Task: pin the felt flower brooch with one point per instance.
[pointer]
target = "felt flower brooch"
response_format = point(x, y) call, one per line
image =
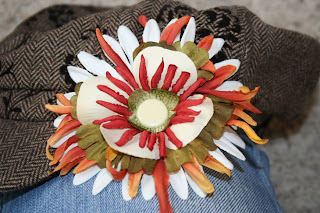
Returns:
point(156, 117)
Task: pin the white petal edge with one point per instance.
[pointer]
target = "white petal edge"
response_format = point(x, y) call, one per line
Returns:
point(215, 47)
point(64, 138)
point(151, 31)
point(97, 66)
point(219, 156)
point(102, 181)
point(128, 41)
point(68, 96)
point(194, 186)
point(233, 137)
point(68, 149)
point(234, 62)
point(125, 188)
point(189, 33)
point(117, 49)
point(230, 148)
point(187, 132)
point(178, 36)
point(58, 120)
point(148, 188)
point(86, 175)
point(78, 74)
point(179, 184)
point(229, 86)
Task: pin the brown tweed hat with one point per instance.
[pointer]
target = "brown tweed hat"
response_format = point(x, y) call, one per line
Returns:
point(34, 58)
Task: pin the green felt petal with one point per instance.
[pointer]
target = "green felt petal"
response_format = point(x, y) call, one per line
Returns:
point(142, 46)
point(205, 74)
point(198, 55)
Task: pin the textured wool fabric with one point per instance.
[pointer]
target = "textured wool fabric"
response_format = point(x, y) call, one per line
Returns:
point(33, 61)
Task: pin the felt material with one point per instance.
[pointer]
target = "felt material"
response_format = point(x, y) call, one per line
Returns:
point(34, 60)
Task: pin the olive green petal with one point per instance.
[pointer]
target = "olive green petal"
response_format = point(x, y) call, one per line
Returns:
point(205, 74)
point(216, 99)
point(198, 55)
point(101, 158)
point(136, 165)
point(86, 130)
point(125, 162)
point(94, 151)
point(74, 113)
point(77, 87)
point(142, 46)
point(198, 150)
point(73, 100)
point(177, 45)
point(87, 141)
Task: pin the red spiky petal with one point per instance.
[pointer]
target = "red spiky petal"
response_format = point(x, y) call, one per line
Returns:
point(143, 20)
point(180, 82)
point(187, 112)
point(114, 94)
point(192, 88)
point(157, 76)
point(172, 137)
point(127, 136)
point(206, 42)
point(181, 119)
point(162, 144)
point(120, 84)
point(110, 118)
point(143, 138)
point(171, 32)
point(115, 108)
point(169, 77)
point(143, 75)
point(127, 76)
point(221, 75)
point(152, 141)
point(117, 124)
point(189, 103)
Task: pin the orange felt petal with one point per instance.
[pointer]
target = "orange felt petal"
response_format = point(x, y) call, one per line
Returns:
point(134, 181)
point(143, 20)
point(209, 66)
point(111, 154)
point(247, 106)
point(117, 175)
point(64, 121)
point(63, 99)
point(71, 156)
point(248, 130)
point(161, 180)
point(206, 42)
point(170, 33)
point(244, 116)
point(83, 165)
point(195, 172)
point(215, 165)
point(59, 109)
point(69, 166)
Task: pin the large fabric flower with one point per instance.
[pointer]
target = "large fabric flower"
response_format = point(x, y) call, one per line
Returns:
point(157, 115)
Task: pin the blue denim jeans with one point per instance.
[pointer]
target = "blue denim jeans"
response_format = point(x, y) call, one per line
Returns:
point(248, 190)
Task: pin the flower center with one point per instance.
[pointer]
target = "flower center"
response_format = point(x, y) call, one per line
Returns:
point(152, 113)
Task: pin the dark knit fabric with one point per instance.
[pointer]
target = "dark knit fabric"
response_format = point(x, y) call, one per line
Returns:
point(33, 61)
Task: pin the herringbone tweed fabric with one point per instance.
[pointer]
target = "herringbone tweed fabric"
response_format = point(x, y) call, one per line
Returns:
point(33, 61)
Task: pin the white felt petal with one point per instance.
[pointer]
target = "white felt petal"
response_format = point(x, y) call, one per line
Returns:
point(86, 175)
point(125, 188)
point(68, 96)
point(78, 75)
point(148, 188)
point(178, 36)
point(128, 41)
point(117, 49)
point(58, 120)
point(233, 137)
point(68, 149)
point(154, 56)
point(187, 132)
point(179, 183)
point(229, 86)
point(219, 156)
point(189, 33)
point(151, 31)
point(194, 186)
point(230, 148)
point(64, 139)
point(234, 62)
point(216, 46)
point(97, 66)
point(102, 180)
point(132, 147)
point(87, 108)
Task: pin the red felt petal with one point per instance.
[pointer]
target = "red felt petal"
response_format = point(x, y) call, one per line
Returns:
point(180, 82)
point(143, 20)
point(120, 84)
point(143, 75)
point(248, 106)
point(117, 124)
point(162, 144)
point(157, 76)
point(143, 138)
point(114, 94)
point(206, 42)
point(115, 108)
point(181, 119)
point(187, 112)
point(172, 137)
point(189, 103)
point(169, 77)
point(127, 136)
point(192, 88)
point(127, 76)
point(221, 75)
point(117, 175)
point(110, 118)
point(161, 180)
point(152, 141)
point(171, 32)
point(231, 95)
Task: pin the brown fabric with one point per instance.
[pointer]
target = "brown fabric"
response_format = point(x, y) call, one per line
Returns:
point(33, 61)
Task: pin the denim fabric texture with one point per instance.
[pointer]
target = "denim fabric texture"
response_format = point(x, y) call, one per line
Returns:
point(248, 190)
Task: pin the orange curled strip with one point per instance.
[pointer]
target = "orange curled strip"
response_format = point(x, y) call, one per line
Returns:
point(215, 165)
point(244, 116)
point(209, 66)
point(63, 99)
point(134, 181)
point(206, 42)
point(83, 165)
point(117, 175)
point(248, 130)
point(59, 109)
